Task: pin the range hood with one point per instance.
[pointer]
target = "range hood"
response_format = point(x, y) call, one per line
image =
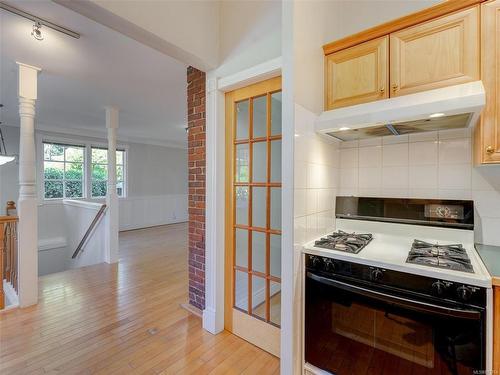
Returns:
point(440, 109)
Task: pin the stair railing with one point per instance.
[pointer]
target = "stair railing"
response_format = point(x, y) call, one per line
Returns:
point(8, 255)
point(89, 231)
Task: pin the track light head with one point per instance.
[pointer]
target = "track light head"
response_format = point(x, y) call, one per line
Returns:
point(37, 32)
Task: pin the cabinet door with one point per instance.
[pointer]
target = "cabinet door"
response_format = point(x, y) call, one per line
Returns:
point(438, 53)
point(357, 75)
point(488, 130)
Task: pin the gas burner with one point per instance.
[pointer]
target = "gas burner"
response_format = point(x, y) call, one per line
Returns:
point(453, 257)
point(343, 241)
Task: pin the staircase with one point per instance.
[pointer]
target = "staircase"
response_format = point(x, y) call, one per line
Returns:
point(8, 257)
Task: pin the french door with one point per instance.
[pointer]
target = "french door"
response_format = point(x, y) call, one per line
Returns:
point(253, 214)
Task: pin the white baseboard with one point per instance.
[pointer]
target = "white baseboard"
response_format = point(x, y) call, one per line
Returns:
point(52, 243)
point(209, 322)
point(149, 225)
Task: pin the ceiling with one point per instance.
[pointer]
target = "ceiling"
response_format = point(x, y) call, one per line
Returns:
point(81, 76)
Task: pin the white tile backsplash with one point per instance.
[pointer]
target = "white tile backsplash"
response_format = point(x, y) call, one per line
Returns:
point(377, 141)
point(423, 153)
point(423, 176)
point(391, 139)
point(370, 156)
point(349, 177)
point(317, 174)
point(455, 176)
point(370, 178)
point(395, 155)
point(425, 136)
point(436, 165)
point(349, 158)
point(455, 151)
point(311, 201)
point(395, 177)
point(455, 133)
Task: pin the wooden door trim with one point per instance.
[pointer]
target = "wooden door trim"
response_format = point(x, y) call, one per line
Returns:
point(436, 11)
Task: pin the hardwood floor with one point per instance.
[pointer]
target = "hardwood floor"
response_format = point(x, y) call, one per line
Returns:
point(123, 319)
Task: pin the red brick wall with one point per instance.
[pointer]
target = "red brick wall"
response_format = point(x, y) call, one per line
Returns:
point(196, 199)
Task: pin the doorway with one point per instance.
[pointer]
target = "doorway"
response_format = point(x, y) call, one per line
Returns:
point(253, 214)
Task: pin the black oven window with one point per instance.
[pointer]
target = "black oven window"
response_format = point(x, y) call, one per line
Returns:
point(349, 334)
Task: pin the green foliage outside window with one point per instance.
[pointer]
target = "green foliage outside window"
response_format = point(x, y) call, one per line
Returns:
point(63, 171)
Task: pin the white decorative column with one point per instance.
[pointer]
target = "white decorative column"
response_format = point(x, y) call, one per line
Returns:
point(112, 225)
point(213, 315)
point(27, 205)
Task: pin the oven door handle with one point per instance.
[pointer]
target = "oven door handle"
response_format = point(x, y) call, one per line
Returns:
point(400, 301)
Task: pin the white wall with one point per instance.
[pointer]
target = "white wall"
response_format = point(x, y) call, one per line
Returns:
point(350, 17)
point(434, 165)
point(250, 33)
point(9, 173)
point(185, 30)
point(79, 216)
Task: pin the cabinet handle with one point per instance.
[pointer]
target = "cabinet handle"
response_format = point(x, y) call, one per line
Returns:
point(382, 89)
point(395, 87)
point(490, 150)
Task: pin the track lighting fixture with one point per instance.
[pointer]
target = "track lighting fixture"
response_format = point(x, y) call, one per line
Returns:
point(37, 32)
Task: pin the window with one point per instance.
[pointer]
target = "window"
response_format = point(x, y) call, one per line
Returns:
point(63, 171)
point(79, 170)
point(99, 175)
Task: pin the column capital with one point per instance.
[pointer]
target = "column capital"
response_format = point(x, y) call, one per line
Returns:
point(112, 117)
point(28, 77)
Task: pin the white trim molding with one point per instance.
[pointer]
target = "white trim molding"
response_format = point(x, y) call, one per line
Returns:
point(257, 73)
point(213, 314)
point(52, 243)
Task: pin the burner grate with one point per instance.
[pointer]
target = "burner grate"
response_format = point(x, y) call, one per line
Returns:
point(453, 257)
point(343, 241)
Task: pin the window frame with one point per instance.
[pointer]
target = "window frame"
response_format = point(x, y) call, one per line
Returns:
point(64, 162)
point(123, 165)
point(42, 138)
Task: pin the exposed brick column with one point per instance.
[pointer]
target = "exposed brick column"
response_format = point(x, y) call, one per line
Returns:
point(196, 200)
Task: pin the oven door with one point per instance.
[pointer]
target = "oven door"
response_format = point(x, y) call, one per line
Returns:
point(355, 329)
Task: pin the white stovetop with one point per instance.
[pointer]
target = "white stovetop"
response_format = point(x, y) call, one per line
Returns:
point(391, 243)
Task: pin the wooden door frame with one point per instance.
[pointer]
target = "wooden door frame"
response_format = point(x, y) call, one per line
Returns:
point(262, 333)
point(213, 315)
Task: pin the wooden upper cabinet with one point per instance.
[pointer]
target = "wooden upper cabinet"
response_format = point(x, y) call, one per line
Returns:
point(437, 53)
point(487, 132)
point(358, 74)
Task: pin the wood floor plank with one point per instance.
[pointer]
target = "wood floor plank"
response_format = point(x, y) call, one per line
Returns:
point(123, 319)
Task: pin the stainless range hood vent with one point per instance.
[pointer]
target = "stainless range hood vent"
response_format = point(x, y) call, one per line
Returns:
point(404, 127)
point(441, 109)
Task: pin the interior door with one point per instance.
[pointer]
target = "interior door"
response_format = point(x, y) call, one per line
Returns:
point(253, 214)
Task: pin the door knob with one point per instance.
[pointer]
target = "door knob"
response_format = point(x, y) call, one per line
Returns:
point(490, 150)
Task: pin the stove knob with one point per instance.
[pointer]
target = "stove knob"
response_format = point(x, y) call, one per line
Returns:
point(464, 292)
point(329, 266)
point(316, 262)
point(376, 274)
point(438, 288)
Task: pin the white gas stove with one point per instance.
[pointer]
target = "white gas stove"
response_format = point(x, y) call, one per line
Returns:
point(401, 277)
point(392, 242)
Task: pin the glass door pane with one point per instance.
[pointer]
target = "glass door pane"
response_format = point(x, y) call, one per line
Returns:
point(257, 207)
